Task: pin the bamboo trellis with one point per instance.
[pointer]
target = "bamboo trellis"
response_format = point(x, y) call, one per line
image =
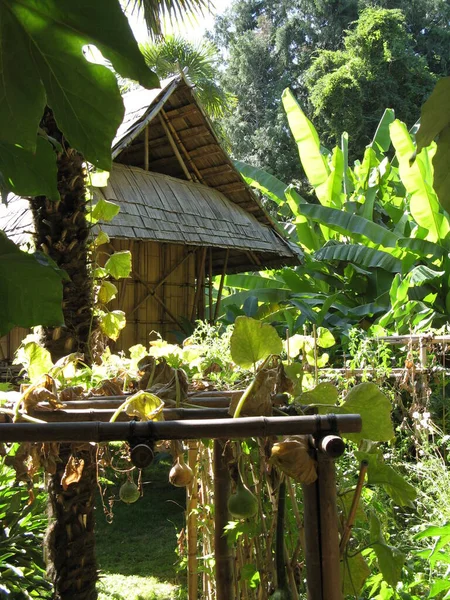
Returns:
point(321, 522)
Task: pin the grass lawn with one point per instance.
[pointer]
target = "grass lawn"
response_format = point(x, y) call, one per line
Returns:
point(136, 553)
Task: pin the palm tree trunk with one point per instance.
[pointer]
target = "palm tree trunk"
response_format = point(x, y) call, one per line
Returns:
point(61, 231)
point(70, 540)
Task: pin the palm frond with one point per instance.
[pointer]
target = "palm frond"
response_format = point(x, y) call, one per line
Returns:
point(155, 12)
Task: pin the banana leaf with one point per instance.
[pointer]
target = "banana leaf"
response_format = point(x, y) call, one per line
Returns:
point(360, 255)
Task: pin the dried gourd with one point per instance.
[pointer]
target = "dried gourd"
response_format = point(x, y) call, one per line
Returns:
point(181, 474)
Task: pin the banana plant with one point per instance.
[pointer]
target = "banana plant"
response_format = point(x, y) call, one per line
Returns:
point(377, 241)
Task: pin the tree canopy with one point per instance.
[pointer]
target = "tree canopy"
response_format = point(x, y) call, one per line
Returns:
point(268, 45)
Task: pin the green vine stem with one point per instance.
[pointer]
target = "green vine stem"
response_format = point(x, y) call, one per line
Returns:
point(121, 408)
point(248, 390)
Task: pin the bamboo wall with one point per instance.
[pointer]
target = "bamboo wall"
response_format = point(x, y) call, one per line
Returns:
point(9, 343)
point(152, 262)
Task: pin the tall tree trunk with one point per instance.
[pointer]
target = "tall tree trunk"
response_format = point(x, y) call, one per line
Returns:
point(70, 540)
point(61, 231)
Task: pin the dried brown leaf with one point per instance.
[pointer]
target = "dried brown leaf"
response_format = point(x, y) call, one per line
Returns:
point(259, 401)
point(69, 394)
point(109, 387)
point(72, 472)
point(292, 456)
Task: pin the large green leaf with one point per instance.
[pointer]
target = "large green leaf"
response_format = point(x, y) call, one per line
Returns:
point(305, 135)
point(253, 341)
point(323, 393)
point(435, 114)
point(379, 473)
point(417, 177)
point(441, 164)
point(266, 183)
point(350, 225)
point(118, 264)
point(367, 400)
point(382, 137)
point(390, 559)
point(422, 247)
point(362, 256)
point(112, 323)
point(30, 289)
point(335, 179)
point(354, 572)
point(38, 361)
point(42, 63)
point(28, 172)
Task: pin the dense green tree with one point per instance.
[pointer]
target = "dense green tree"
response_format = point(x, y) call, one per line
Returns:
point(268, 45)
point(378, 67)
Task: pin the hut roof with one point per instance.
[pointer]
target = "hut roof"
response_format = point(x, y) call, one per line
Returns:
point(167, 209)
point(175, 183)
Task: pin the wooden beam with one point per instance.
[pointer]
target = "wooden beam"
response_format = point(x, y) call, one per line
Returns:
point(187, 154)
point(179, 113)
point(174, 146)
point(222, 280)
point(206, 150)
point(213, 171)
point(228, 188)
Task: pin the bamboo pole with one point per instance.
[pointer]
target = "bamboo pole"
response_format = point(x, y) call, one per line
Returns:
point(222, 551)
point(174, 147)
point(191, 520)
point(200, 278)
point(146, 153)
point(329, 533)
point(312, 541)
point(182, 146)
point(210, 286)
point(178, 430)
point(222, 280)
point(105, 414)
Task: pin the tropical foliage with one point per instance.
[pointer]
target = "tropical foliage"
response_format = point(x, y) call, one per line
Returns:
point(375, 240)
point(269, 45)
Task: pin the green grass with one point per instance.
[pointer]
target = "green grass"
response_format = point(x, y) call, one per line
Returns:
point(136, 553)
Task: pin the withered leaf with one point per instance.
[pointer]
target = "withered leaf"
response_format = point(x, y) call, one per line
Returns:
point(72, 472)
point(292, 456)
point(109, 387)
point(69, 394)
point(259, 401)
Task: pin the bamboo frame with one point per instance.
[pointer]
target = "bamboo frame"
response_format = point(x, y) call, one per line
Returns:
point(243, 427)
point(192, 523)
point(174, 146)
point(329, 534)
point(146, 150)
point(104, 414)
point(182, 146)
point(222, 551)
point(312, 541)
point(152, 291)
point(210, 285)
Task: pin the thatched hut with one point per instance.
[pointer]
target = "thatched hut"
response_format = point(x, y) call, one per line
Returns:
point(186, 215)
